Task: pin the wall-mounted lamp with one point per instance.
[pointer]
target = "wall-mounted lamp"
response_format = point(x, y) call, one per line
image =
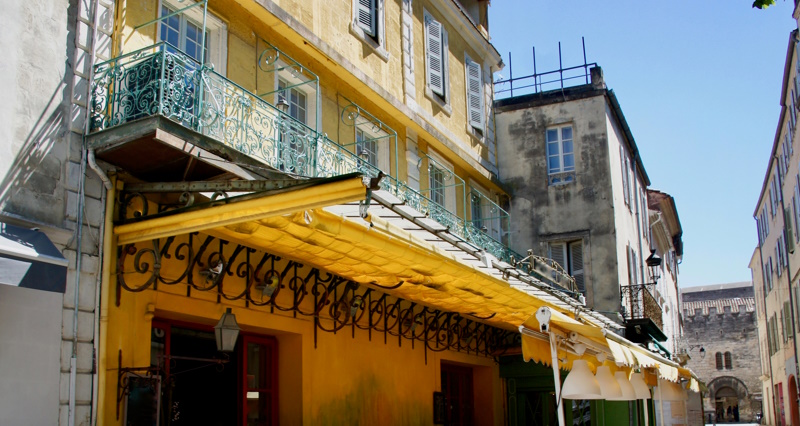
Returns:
point(654, 265)
point(226, 331)
point(580, 382)
point(282, 105)
point(270, 285)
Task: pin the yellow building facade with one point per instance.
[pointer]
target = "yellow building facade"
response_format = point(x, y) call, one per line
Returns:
point(320, 176)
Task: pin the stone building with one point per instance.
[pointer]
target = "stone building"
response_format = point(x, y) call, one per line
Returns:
point(573, 168)
point(721, 339)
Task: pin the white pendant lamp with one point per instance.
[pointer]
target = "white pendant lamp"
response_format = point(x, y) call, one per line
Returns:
point(639, 386)
point(609, 387)
point(667, 391)
point(628, 394)
point(580, 383)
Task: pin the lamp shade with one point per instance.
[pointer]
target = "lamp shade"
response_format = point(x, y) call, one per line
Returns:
point(226, 331)
point(628, 394)
point(580, 383)
point(639, 386)
point(667, 391)
point(609, 387)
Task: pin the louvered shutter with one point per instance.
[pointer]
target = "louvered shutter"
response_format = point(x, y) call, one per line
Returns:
point(366, 16)
point(622, 161)
point(474, 95)
point(557, 253)
point(576, 264)
point(435, 65)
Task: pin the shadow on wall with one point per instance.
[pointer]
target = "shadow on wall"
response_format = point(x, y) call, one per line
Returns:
point(31, 186)
point(372, 402)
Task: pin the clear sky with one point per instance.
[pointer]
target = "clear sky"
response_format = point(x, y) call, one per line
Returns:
point(699, 83)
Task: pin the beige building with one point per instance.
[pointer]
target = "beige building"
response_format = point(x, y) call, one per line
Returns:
point(776, 262)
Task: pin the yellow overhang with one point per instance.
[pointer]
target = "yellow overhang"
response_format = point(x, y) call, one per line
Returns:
point(328, 192)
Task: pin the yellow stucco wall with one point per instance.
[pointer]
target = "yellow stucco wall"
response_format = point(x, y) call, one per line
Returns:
point(330, 21)
point(349, 378)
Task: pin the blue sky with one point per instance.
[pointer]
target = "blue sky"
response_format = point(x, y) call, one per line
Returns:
point(699, 83)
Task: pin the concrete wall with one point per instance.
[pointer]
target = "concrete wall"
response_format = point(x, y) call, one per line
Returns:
point(581, 209)
point(30, 328)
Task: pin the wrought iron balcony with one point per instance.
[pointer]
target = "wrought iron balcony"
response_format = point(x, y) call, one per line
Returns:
point(161, 81)
point(641, 309)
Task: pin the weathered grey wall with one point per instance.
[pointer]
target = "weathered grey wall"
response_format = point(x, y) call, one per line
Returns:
point(544, 212)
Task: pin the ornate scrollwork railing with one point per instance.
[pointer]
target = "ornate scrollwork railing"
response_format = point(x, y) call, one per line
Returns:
point(639, 303)
point(263, 280)
point(160, 80)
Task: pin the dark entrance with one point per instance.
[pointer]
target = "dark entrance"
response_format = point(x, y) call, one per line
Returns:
point(202, 386)
point(196, 389)
point(457, 389)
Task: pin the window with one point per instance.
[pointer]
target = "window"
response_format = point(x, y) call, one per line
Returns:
point(442, 182)
point(569, 254)
point(184, 32)
point(372, 145)
point(773, 197)
point(484, 215)
point(728, 361)
point(718, 357)
point(474, 79)
point(458, 394)
point(787, 319)
point(560, 155)
point(369, 25)
point(765, 222)
point(436, 60)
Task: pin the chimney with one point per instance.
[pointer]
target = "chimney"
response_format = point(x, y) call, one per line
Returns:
point(597, 78)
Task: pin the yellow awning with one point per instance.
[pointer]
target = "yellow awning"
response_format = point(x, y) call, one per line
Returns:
point(326, 193)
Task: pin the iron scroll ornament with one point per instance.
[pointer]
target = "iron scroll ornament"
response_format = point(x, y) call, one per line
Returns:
point(235, 272)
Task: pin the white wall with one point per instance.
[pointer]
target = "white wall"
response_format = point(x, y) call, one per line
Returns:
point(30, 349)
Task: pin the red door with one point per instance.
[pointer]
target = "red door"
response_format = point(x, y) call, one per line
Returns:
point(459, 398)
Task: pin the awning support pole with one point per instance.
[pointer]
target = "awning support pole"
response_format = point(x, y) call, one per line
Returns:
point(556, 379)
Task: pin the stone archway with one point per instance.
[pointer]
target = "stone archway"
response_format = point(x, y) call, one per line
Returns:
point(730, 398)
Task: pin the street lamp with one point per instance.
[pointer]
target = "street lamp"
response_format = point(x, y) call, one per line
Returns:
point(654, 265)
point(226, 331)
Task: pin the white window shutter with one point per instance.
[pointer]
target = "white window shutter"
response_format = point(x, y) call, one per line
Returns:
point(366, 16)
point(576, 264)
point(433, 48)
point(474, 95)
point(558, 253)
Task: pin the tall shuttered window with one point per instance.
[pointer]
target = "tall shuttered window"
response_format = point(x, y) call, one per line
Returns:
point(569, 254)
point(436, 57)
point(474, 78)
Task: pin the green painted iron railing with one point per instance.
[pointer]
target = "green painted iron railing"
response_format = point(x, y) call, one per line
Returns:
point(159, 80)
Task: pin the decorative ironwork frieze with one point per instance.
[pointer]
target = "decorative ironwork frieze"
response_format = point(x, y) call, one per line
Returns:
point(234, 272)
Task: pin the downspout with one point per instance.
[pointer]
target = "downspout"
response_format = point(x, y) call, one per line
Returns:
point(769, 355)
point(791, 293)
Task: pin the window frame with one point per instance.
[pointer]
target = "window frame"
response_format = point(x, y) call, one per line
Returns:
point(246, 388)
point(567, 249)
point(569, 176)
point(449, 191)
point(217, 40)
point(374, 38)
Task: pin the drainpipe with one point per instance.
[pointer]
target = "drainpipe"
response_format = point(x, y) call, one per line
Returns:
point(789, 282)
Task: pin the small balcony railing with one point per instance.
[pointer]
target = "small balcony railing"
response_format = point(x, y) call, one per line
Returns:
point(159, 80)
point(639, 303)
